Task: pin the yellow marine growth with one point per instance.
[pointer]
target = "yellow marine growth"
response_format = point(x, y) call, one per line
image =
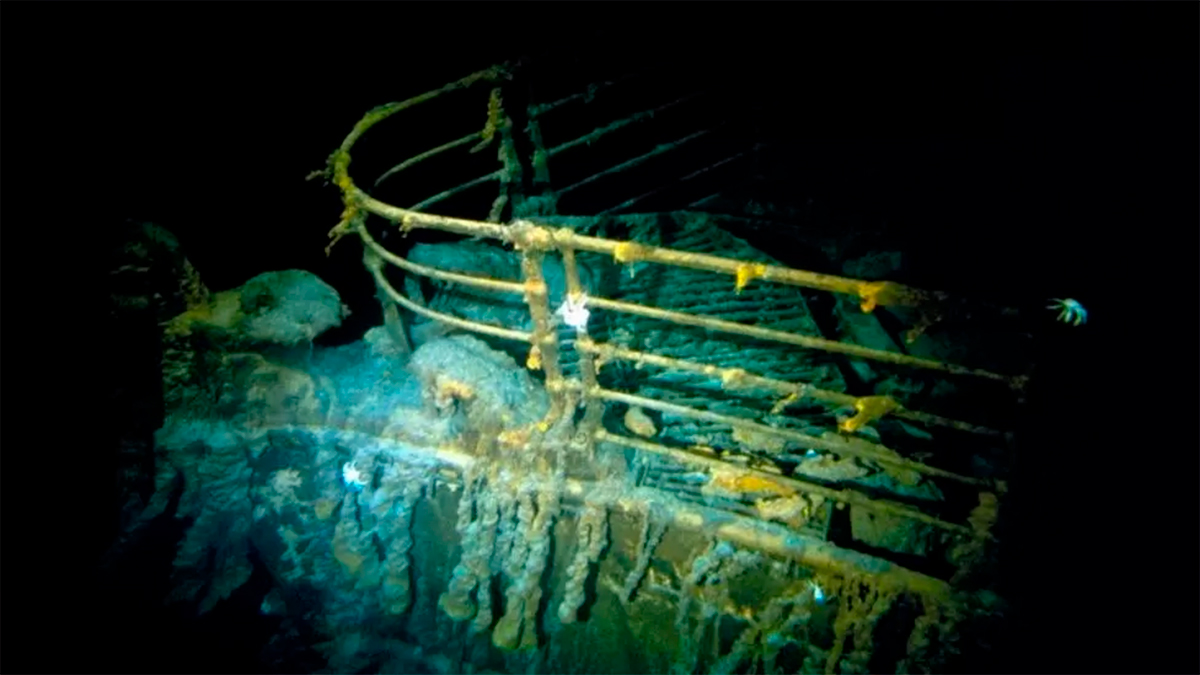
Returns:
point(628, 253)
point(875, 293)
point(448, 390)
point(747, 483)
point(492, 123)
point(747, 272)
point(534, 360)
point(870, 408)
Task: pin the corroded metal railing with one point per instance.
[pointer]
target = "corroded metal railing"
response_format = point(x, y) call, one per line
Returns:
point(534, 242)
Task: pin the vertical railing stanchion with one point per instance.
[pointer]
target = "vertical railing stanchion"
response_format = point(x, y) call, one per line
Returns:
point(594, 407)
point(533, 242)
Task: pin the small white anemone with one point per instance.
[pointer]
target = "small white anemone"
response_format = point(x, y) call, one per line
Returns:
point(574, 311)
point(354, 479)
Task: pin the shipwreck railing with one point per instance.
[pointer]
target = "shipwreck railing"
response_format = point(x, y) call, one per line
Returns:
point(534, 242)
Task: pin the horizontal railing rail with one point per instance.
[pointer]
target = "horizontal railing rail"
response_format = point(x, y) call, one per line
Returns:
point(534, 241)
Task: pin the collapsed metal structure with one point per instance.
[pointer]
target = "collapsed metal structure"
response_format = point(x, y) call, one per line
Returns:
point(758, 457)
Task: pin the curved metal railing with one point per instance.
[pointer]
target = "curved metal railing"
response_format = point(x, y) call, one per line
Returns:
point(534, 241)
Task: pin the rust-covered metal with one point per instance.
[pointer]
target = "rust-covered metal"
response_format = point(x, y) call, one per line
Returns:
point(882, 293)
point(755, 469)
point(789, 392)
point(834, 444)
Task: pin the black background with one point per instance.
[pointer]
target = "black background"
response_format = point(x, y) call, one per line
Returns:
point(205, 118)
